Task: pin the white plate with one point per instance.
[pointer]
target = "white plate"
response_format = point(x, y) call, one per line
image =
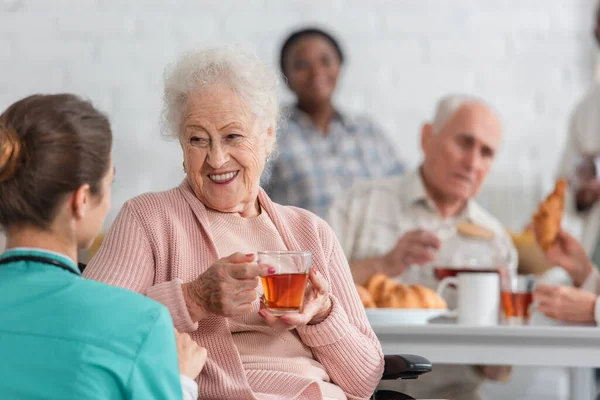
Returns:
point(403, 316)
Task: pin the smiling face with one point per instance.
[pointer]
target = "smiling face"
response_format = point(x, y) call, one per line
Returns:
point(312, 67)
point(459, 157)
point(224, 148)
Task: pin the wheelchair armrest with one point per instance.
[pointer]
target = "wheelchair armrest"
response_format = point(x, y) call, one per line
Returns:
point(405, 366)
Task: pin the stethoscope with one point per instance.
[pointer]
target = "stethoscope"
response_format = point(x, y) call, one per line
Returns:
point(39, 259)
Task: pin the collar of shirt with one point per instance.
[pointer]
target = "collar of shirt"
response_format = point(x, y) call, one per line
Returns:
point(30, 251)
point(413, 192)
point(304, 120)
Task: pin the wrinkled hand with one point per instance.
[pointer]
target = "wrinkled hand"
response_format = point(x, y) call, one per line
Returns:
point(190, 356)
point(565, 303)
point(569, 254)
point(227, 288)
point(317, 305)
point(414, 247)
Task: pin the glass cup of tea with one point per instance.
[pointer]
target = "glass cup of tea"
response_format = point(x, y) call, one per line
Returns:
point(284, 290)
point(517, 298)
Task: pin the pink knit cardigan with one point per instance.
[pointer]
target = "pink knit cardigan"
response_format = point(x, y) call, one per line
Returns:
point(160, 240)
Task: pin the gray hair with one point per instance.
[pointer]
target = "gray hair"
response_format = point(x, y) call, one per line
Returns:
point(233, 66)
point(449, 105)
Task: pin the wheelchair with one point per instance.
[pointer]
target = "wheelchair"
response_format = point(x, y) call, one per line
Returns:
point(403, 366)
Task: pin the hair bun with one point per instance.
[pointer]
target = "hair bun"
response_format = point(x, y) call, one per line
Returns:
point(10, 152)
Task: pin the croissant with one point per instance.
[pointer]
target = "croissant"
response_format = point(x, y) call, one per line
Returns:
point(402, 296)
point(429, 297)
point(547, 219)
point(365, 297)
point(387, 293)
point(380, 286)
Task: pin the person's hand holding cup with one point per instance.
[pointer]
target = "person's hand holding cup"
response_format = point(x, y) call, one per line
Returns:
point(295, 295)
point(227, 288)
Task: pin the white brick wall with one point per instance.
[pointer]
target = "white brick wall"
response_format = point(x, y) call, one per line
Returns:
point(531, 58)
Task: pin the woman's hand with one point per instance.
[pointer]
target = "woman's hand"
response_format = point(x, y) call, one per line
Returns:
point(317, 305)
point(571, 256)
point(191, 357)
point(565, 303)
point(227, 288)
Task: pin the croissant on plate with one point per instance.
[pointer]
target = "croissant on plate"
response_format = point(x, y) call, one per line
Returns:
point(383, 292)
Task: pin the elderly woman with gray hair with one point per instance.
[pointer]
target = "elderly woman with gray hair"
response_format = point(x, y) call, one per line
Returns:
point(192, 247)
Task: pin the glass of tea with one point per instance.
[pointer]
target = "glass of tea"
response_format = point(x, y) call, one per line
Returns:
point(517, 298)
point(284, 291)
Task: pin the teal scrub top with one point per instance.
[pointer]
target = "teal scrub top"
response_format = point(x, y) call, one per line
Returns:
point(65, 337)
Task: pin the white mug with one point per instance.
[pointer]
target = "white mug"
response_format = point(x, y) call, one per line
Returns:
point(478, 297)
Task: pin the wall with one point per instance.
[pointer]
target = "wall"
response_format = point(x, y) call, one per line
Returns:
point(531, 58)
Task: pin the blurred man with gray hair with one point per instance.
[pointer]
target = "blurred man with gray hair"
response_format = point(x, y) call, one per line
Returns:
point(391, 224)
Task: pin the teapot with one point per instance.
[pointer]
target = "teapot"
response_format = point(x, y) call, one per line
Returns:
point(471, 248)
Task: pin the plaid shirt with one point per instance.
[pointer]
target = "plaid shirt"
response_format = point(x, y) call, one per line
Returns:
point(313, 168)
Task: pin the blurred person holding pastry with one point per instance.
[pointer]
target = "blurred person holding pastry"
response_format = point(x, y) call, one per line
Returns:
point(580, 164)
point(577, 303)
point(390, 224)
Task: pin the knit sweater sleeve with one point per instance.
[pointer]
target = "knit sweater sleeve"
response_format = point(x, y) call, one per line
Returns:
point(344, 342)
point(126, 259)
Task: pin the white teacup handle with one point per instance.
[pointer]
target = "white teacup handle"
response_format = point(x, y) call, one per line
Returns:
point(450, 280)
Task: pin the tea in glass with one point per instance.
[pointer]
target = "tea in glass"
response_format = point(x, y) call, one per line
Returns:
point(284, 291)
point(517, 298)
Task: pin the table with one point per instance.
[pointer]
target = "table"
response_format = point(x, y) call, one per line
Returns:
point(541, 344)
